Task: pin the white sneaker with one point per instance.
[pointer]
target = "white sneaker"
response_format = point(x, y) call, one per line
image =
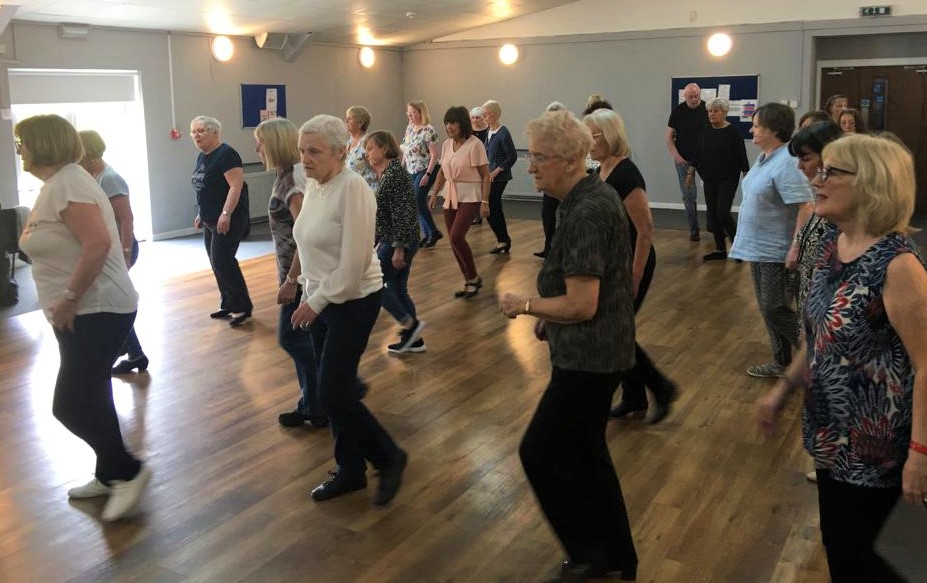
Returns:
point(91, 489)
point(125, 495)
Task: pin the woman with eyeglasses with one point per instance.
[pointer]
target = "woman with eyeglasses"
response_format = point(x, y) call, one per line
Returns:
point(83, 286)
point(776, 203)
point(222, 198)
point(864, 354)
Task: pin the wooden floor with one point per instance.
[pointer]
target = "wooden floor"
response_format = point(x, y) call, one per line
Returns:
point(709, 499)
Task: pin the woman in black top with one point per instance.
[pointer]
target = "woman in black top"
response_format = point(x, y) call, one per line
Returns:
point(222, 198)
point(720, 158)
point(396, 237)
point(610, 148)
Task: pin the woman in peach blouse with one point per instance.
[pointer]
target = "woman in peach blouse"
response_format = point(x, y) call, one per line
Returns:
point(464, 184)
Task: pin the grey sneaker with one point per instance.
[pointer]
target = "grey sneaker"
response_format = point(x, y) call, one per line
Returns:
point(91, 489)
point(770, 370)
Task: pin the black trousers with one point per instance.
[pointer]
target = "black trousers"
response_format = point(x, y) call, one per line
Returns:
point(549, 206)
point(851, 519)
point(496, 214)
point(719, 196)
point(233, 290)
point(568, 464)
point(83, 399)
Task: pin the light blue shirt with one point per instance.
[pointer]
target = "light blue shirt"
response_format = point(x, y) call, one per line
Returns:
point(772, 191)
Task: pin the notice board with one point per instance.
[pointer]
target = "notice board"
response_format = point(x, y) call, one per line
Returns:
point(260, 102)
point(741, 91)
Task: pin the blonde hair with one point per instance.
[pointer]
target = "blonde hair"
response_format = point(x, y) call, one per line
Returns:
point(612, 127)
point(884, 182)
point(420, 107)
point(51, 140)
point(94, 146)
point(280, 138)
point(361, 114)
point(563, 134)
point(493, 108)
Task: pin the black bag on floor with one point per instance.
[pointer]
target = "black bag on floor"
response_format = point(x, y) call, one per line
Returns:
point(9, 289)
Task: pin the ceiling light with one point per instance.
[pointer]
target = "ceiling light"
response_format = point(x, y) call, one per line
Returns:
point(222, 48)
point(719, 44)
point(508, 54)
point(367, 57)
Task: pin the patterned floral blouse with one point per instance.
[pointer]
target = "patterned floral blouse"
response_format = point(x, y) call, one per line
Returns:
point(397, 217)
point(858, 406)
point(357, 161)
point(415, 147)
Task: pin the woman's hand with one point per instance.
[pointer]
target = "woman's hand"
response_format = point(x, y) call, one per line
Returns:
point(635, 285)
point(540, 330)
point(222, 226)
point(286, 294)
point(768, 409)
point(399, 257)
point(63, 313)
point(914, 478)
point(303, 317)
point(432, 200)
point(512, 305)
point(424, 181)
point(484, 210)
point(197, 222)
point(791, 258)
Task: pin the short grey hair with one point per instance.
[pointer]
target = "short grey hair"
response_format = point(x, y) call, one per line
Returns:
point(331, 128)
point(718, 103)
point(555, 106)
point(476, 112)
point(210, 123)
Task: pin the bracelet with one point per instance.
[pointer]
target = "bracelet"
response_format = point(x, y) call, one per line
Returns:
point(527, 306)
point(484, 202)
point(126, 249)
point(918, 447)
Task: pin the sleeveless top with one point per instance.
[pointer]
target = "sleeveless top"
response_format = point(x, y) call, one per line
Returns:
point(858, 404)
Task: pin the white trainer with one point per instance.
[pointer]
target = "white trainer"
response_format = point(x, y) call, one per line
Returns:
point(91, 489)
point(125, 495)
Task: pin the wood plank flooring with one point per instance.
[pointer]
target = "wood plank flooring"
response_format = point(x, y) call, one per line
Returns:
point(709, 499)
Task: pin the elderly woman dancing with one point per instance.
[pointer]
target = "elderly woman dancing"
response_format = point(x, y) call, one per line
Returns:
point(343, 289)
point(864, 355)
point(586, 312)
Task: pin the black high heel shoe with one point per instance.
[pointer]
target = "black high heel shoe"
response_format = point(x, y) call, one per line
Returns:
point(130, 364)
point(501, 248)
point(236, 321)
point(471, 288)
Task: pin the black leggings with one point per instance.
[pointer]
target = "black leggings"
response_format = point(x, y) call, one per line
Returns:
point(719, 196)
point(496, 215)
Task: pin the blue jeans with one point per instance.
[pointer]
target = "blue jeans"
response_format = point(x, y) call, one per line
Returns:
point(358, 435)
point(425, 220)
point(298, 344)
point(396, 298)
point(689, 197)
point(132, 347)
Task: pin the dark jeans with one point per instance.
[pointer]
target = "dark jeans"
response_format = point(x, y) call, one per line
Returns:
point(496, 214)
point(358, 435)
point(132, 347)
point(549, 206)
point(566, 459)
point(458, 222)
point(425, 220)
point(851, 519)
point(83, 399)
point(221, 249)
point(396, 298)
point(645, 373)
point(719, 196)
point(298, 344)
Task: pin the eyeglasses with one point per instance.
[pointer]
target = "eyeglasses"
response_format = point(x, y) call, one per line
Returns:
point(18, 144)
point(199, 131)
point(537, 159)
point(827, 171)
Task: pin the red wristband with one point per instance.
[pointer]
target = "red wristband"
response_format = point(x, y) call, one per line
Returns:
point(918, 447)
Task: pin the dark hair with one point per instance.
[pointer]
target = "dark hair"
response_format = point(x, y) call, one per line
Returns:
point(814, 137)
point(461, 116)
point(815, 115)
point(831, 100)
point(599, 104)
point(857, 117)
point(384, 139)
point(777, 118)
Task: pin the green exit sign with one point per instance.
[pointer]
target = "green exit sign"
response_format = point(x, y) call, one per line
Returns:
point(875, 11)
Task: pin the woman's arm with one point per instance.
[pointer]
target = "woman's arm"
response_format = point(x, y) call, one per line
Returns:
point(435, 189)
point(236, 179)
point(485, 185)
point(804, 213)
point(639, 214)
point(287, 292)
point(905, 298)
point(578, 304)
point(126, 223)
point(770, 405)
point(508, 148)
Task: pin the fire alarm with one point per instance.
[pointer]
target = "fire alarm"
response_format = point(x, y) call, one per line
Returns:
point(175, 134)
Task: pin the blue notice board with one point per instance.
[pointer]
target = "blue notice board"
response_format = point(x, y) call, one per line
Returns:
point(741, 91)
point(260, 102)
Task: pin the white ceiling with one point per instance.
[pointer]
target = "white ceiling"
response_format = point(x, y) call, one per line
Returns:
point(389, 22)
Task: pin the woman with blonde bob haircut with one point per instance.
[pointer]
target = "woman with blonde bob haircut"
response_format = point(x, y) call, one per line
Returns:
point(865, 350)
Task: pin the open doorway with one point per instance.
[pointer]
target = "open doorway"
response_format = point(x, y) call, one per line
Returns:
point(109, 102)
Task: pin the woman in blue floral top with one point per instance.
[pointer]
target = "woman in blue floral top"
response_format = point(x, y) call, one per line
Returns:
point(420, 156)
point(357, 120)
point(865, 323)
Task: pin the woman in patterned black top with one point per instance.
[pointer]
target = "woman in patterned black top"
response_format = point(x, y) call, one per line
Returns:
point(586, 313)
point(276, 145)
point(396, 236)
point(865, 413)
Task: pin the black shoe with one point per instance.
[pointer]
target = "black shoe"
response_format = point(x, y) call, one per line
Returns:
point(336, 485)
point(296, 419)
point(471, 288)
point(130, 364)
point(410, 339)
point(694, 236)
point(661, 408)
point(424, 242)
point(715, 256)
point(477, 220)
point(625, 409)
point(501, 248)
point(236, 321)
point(221, 315)
point(435, 237)
point(391, 479)
point(362, 390)
point(541, 254)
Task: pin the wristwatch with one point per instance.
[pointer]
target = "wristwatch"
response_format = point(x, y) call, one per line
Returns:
point(224, 212)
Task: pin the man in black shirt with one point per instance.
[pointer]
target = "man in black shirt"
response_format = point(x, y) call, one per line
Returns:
point(683, 133)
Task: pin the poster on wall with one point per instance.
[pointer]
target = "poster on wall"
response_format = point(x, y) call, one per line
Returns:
point(741, 91)
point(260, 102)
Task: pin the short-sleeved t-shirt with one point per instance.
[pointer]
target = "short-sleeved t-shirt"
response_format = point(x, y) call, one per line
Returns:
point(111, 183)
point(625, 179)
point(688, 123)
point(210, 184)
point(772, 191)
point(289, 181)
point(415, 147)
